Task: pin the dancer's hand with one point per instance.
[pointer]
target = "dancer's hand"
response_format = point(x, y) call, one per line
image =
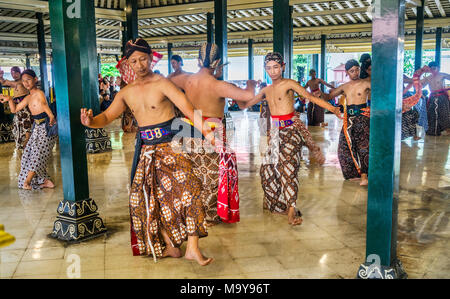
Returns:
point(86, 117)
point(52, 121)
point(337, 112)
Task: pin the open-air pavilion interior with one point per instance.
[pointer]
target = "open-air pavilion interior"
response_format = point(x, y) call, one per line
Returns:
point(402, 216)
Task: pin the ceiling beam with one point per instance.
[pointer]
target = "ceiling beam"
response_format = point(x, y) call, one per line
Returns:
point(42, 6)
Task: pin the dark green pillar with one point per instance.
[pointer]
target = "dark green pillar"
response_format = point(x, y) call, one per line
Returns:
point(77, 214)
point(169, 56)
point(209, 27)
point(132, 19)
point(419, 36)
point(282, 36)
point(251, 60)
point(438, 45)
point(42, 54)
point(323, 58)
point(315, 63)
point(27, 61)
point(385, 131)
point(221, 33)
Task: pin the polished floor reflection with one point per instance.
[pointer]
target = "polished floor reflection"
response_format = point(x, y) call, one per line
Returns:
point(329, 244)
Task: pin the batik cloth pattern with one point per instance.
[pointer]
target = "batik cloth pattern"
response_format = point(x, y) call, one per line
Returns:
point(228, 197)
point(353, 148)
point(264, 115)
point(409, 122)
point(129, 124)
point(22, 124)
point(165, 195)
point(438, 113)
point(36, 156)
point(315, 113)
point(279, 177)
point(206, 168)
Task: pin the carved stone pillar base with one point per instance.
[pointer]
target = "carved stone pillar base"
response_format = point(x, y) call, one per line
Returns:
point(77, 222)
point(97, 141)
point(373, 271)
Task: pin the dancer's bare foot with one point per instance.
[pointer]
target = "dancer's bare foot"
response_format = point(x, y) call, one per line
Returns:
point(293, 217)
point(26, 186)
point(196, 255)
point(48, 184)
point(172, 252)
point(364, 180)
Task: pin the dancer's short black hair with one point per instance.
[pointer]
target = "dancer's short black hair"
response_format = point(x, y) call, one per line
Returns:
point(28, 72)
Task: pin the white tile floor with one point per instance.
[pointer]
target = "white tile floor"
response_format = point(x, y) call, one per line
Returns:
point(329, 244)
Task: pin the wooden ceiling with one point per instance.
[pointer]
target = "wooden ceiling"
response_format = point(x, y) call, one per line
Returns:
point(183, 22)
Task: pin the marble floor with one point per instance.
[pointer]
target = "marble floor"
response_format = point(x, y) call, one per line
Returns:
point(329, 244)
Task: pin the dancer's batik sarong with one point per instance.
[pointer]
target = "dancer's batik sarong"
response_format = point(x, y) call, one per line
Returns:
point(218, 173)
point(353, 148)
point(37, 154)
point(6, 127)
point(264, 115)
point(129, 124)
point(22, 123)
point(164, 195)
point(316, 114)
point(280, 166)
point(438, 112)
point(409, 121)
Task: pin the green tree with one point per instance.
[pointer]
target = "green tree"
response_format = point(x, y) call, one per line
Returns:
point(302, 60)
point(109, 69)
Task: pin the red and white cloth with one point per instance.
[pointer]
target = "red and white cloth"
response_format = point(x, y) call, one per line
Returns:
point(228, 197)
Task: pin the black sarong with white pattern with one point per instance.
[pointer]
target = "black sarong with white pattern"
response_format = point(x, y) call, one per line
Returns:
point(36, 156)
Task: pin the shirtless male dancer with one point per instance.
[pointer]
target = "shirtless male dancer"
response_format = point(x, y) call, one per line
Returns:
point(37, 153)
point(207, 94)
point(22, 119)
point(354, 139)
point(439, 102)
point(177, 64)
point(316, 114)
point(280, 180)
point(165, 194)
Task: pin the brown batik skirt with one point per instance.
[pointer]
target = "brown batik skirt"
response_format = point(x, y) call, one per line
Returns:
point(165, 195)
point(22, 124)
point(279, 177)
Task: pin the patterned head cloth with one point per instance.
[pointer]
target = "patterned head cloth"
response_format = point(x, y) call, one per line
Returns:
point(209, 55)
point(137, 45)
point(274, 56)
point(351, 63)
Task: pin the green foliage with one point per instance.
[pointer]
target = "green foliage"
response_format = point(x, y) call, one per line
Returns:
point(302, 60)
point(109, 69)
point(408, 63)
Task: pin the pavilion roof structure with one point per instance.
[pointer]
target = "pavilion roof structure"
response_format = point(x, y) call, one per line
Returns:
point(347, 24)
